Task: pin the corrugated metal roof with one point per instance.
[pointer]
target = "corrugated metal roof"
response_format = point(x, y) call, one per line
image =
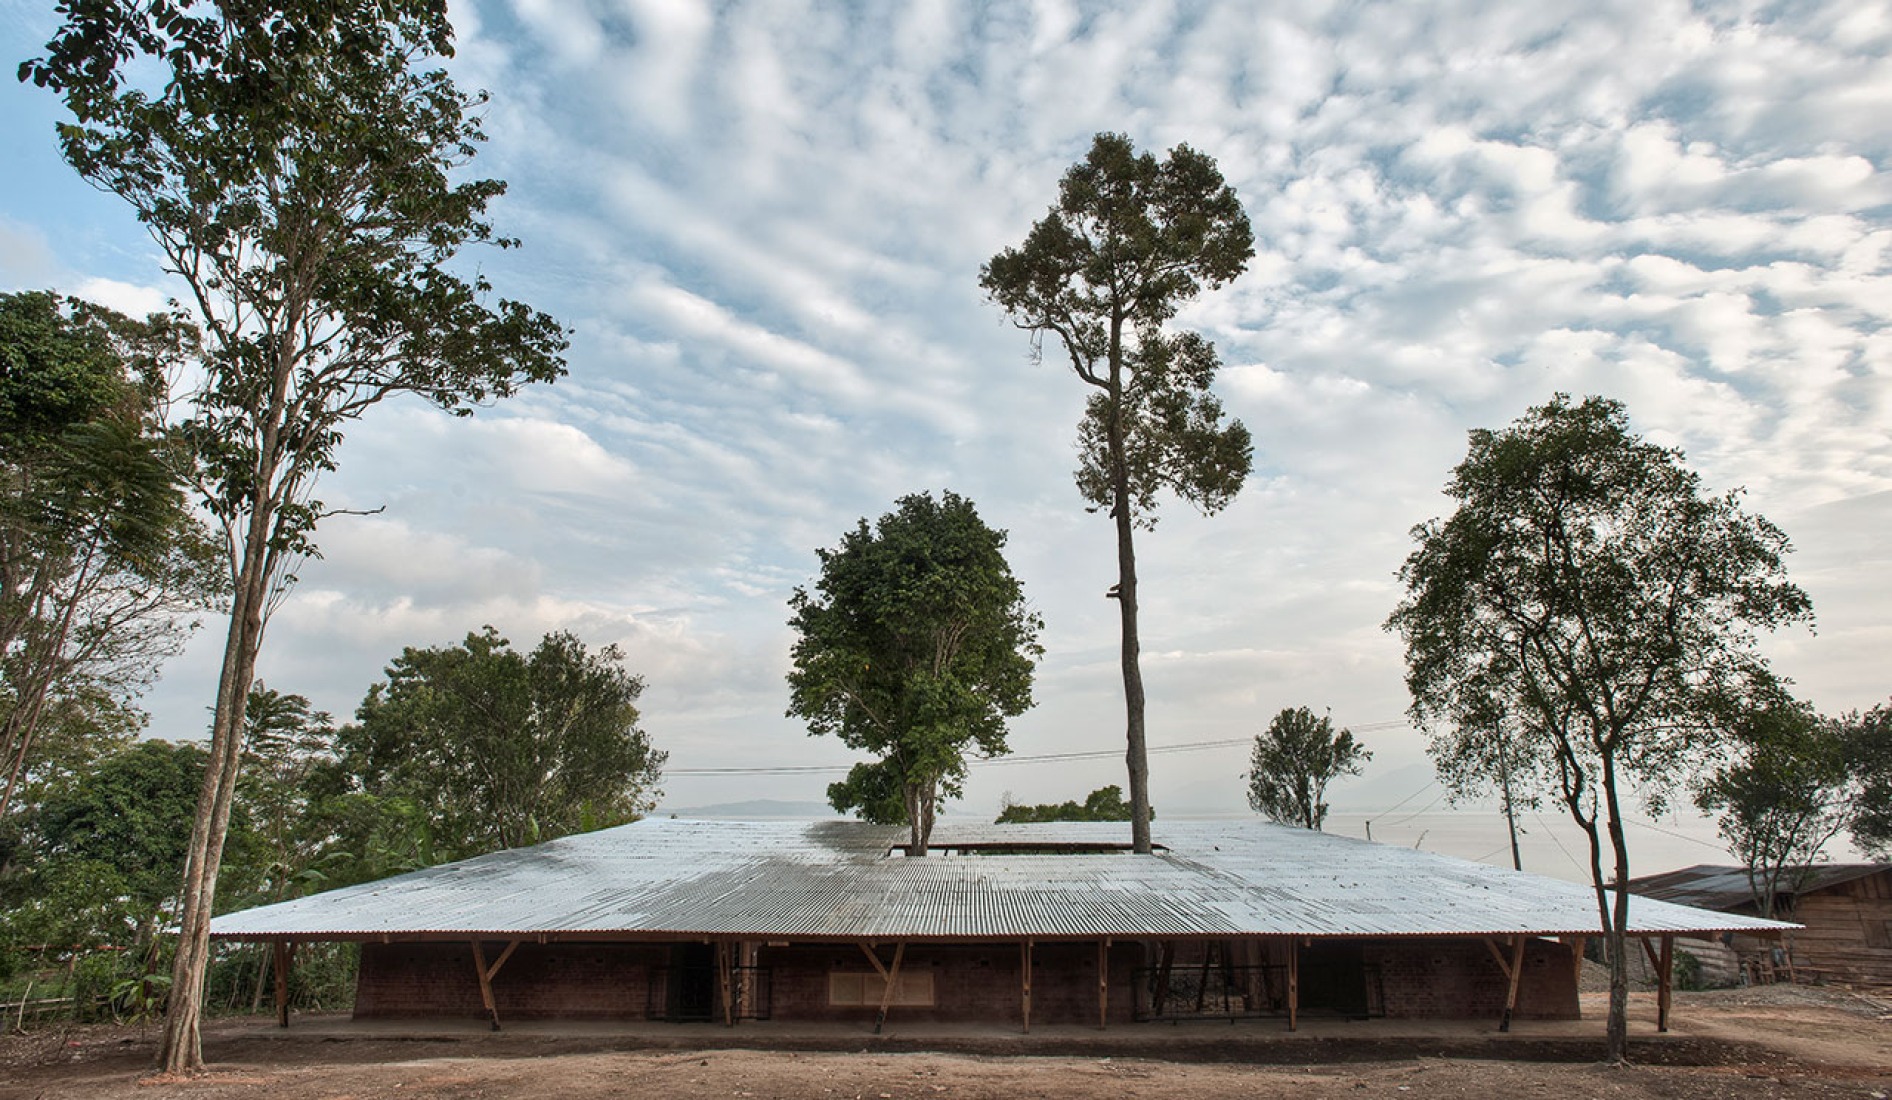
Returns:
point(837, 879)
point(1722, 887)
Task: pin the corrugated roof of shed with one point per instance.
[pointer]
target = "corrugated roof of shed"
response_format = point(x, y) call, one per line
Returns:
point(1723, 887)
point(838, 880)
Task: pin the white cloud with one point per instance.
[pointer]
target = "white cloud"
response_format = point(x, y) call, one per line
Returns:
point(765, 221)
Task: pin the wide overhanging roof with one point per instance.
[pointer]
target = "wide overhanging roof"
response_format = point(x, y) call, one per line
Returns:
point(842, 880)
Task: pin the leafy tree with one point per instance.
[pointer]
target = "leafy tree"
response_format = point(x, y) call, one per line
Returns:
point(1782, 798)
point(285, 740)
point(300, 164)
point(1866, 743)
point(499, 749)
point(917, 646)
point(1130, 240)
point(101, 562)
point(1102, 804)
point(103, 856)
point(1292, 763)
point(1588, 590)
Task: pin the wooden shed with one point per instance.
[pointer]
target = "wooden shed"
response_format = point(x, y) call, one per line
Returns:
point(1846, 910)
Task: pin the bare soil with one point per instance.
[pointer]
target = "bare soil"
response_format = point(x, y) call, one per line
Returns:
point(1774, 1042)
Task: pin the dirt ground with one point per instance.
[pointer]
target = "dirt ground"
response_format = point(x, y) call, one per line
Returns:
point(1773, 1042)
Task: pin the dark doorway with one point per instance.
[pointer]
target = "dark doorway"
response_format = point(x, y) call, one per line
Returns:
point(1335, 978)
point(692, 984)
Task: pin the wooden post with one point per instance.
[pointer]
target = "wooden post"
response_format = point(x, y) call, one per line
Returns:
point(1024, 976)
point(1576, 962)
point(1293, 983)
point(281, 963)
point(486, 974)
point(892, 979)
point(1166, 958)
point(1664, 969)
point(724, 973)
point(1513, 970)
point(1103, 984)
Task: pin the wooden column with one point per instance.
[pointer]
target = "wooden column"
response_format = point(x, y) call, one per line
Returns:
point(1576, 961)
point(1513, 970)
point(1024, 978)
point(1293, 985)
point(888, 977)
point(486, 974)
point(1665, 970)
point(724, 973)
point(284, 950)
point(1103, 984)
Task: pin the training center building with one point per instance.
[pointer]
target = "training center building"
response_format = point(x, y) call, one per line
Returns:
point(1027, 924)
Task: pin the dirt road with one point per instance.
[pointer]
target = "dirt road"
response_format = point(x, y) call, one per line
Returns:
point(1770, 1043)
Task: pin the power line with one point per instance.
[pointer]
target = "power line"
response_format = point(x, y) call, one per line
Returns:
point(1040, 758)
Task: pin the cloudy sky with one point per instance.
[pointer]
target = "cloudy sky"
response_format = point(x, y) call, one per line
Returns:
point(764, 222)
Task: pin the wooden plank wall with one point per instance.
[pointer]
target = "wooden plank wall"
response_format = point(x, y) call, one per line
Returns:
point(1848, 934)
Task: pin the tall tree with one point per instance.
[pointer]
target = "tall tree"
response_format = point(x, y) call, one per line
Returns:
point(1588, 589)
point(101, 561)
point(1293, 761)
point(917, 646)
point(499, 748)
point(1784, 795)
point(300, 164)
point(1131, 240)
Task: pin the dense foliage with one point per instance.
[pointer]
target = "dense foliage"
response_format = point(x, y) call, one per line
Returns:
point(494, 748)
point(1102, 804)
point(1130, 240)
point(916, 646)
point(1587, 591)
point(101, 562)
point(1292, 762)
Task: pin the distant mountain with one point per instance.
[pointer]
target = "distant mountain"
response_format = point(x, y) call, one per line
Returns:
point(754, 808)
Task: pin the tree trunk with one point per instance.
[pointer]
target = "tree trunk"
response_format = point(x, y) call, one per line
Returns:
point(1137, 755)
point(1617, 1042)
point(181, 1049)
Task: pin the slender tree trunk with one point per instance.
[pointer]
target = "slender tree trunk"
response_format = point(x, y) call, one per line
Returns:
point(1616, 1047)
point(181, 1049)
point(1136, 755)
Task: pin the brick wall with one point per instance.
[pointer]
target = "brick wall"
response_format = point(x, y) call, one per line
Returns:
point(1458, 979)
point(978, 984)
point(1443, 978)
point(540, 981)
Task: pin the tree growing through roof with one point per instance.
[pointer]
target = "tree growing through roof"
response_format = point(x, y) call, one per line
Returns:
point(1130, 240)
point(916, 646)
point(1588, 587)
point(1292, 762)
point(500, 749)
point(1786, 794)
point(101, 561)
point(1102, 804)
point(300, 165)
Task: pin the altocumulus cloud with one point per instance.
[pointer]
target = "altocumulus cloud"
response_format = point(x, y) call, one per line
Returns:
point(764, 222)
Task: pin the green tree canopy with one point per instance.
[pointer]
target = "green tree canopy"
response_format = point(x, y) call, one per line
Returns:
point(916, 646)
point(1866, 742)
point(500, 748)
point(1587, 590)
point(1785, 794)
point(1130, 240)
point(301, 165)
point(1293, 761)
point(102, 563)
point(1102, 804)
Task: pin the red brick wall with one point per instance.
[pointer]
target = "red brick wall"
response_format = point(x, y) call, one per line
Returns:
point(540, 981)
point(1458, 979)
point(1444, 978)
point(978, 984)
